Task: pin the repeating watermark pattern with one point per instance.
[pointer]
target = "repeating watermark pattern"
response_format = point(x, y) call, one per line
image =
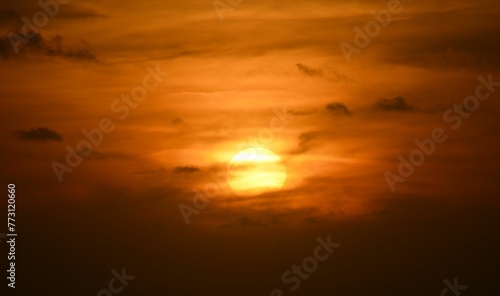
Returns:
point(294, 275)
point(213, 189)
point(455, 287)
point(95, 137)
point(40, 19)
point(113, 287)
point(453, 116)
point(372, 29)
point(222, 8)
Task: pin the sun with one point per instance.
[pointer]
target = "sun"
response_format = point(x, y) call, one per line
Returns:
point(254, 171)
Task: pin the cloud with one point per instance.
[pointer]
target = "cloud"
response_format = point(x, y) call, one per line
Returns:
point(327, 73)
point(305, 143)
point(394, 104)
point(308, 71)
point(177, 121)
point(14, 12)
point(37, 45)
point(186, 169)
point(40, 134)
point(338, 109)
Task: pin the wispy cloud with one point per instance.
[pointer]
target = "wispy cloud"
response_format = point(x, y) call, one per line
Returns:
point(338, 109)
point(186, 169)
point(394, 104)
point(39, 46)
point(305, 143)
point(40, 134)
point(308, 71)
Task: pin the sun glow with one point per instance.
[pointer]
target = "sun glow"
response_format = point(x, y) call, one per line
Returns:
point(256, 170)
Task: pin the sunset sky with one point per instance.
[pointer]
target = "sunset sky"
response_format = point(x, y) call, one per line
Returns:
point(179, 92)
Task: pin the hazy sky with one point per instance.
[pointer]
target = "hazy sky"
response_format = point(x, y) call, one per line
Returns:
point(213, 86)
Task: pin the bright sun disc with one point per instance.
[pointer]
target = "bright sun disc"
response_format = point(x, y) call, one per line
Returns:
point(256, 170)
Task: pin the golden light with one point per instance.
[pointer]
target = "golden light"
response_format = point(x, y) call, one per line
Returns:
point(256, 170)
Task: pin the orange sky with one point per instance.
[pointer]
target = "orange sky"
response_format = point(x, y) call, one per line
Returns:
point(348, 124)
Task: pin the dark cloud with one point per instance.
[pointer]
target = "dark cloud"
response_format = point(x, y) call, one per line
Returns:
point(177, 121)
point(310, 71)
point(305, 143)
point(327, 73)
point(40, 134)
point(394, 104)
point(15, 12)
point(338, 109)
point(16, 45)
point(186, 169)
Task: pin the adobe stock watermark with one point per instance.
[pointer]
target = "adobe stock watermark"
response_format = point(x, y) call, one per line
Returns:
point(40, 19)
point(372, 29)
point(117, 283)
point(95, 137)
point(297, 273)
point(220, 179)
point(453, 116)
point(455, 287)
point(222, 8)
